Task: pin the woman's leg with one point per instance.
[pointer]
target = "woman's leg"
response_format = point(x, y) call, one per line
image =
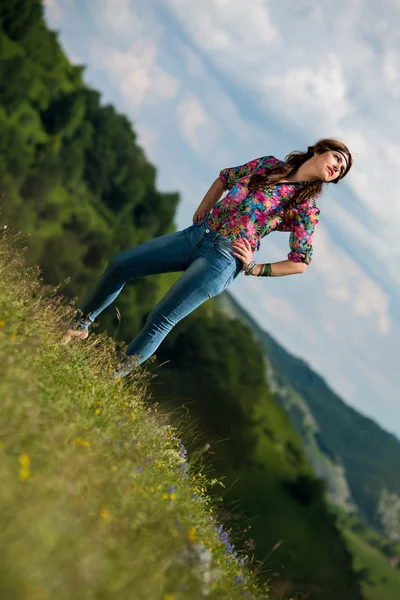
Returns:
point(204, 279)
point(165, 254)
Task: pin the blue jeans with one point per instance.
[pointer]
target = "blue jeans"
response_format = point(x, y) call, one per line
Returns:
point(208, 266)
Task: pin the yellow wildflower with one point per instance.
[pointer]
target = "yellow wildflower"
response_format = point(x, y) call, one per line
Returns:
point(172, 496)
point(2, 323)
point(105, 513)
point(24, 472)
point(82, 442)
point(24, 460)
point(97, 411)
point(114, 468)
point(191, 534)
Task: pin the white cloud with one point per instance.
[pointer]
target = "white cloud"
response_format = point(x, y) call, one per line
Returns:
point(277, 306)
point(54, 10)
point(391, 73)
point(147, 139)
point(117, 18)
point(346, 283)
point(135, 72)
point(316, 92)
point(196, 126)
point(237, 35)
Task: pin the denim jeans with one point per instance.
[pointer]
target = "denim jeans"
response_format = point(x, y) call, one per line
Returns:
point(208, 266)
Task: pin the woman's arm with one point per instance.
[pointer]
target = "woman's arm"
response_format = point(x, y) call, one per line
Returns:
point(283, 267)
point(212, 196)
point(242, 249)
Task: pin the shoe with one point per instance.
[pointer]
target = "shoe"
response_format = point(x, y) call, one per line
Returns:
point(78, 331)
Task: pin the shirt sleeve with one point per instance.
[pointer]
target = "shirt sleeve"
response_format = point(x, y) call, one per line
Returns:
point(231, 175)
point(301, 236)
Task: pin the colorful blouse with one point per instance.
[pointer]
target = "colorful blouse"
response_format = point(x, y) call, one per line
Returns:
point(255, 213)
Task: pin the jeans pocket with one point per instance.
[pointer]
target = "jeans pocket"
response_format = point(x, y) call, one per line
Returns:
point(224, 249)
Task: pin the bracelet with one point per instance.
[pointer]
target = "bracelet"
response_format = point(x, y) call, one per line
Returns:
point(248, 268)
point(265, 271)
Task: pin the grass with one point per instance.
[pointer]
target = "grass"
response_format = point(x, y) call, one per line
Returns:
point(98, 499)
point(381, 580)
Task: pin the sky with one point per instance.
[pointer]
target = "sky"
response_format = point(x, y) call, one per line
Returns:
point(214, 84)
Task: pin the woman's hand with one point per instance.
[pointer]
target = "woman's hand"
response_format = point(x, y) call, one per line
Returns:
point(243, 250)
point(199, 215)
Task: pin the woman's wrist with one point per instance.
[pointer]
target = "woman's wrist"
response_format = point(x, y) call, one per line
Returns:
point(262, 270)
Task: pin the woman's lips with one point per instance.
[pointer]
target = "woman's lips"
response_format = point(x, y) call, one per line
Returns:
point(330, 171)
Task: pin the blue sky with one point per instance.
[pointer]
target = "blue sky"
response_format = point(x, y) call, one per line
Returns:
point(215, 83)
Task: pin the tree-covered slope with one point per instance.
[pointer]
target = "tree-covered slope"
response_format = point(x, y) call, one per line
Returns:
point(369, 455)
point(71, 171)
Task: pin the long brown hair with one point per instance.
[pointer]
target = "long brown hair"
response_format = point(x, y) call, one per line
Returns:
point(292, 162)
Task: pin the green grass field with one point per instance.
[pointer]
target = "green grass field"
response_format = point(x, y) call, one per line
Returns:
point(381, 580)
point(97, 496)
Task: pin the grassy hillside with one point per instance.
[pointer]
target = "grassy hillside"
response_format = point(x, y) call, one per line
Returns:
point(376, 559)
point(97, 496)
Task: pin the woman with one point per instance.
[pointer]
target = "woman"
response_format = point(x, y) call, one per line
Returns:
point(265, 194)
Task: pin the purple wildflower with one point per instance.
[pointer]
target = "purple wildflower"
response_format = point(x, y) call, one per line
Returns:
point(224, 538)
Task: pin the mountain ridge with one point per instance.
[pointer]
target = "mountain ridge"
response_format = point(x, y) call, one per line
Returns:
point(364, 455)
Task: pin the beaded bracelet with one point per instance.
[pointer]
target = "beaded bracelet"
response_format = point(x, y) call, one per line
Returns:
point(265, 270)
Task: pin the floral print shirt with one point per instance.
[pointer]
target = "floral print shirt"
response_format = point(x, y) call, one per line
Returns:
point(255, 213)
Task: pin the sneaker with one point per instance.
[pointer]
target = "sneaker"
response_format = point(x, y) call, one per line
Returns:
point(78, 330)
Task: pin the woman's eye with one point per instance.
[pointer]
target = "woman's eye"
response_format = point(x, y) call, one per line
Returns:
point(337, 158)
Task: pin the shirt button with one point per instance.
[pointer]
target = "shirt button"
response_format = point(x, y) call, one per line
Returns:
point(207, 231)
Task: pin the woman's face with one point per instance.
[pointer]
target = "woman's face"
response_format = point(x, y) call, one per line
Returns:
point(330, 165)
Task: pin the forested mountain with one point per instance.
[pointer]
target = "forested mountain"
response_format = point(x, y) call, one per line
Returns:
point(357, 458)
point(71, 172)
